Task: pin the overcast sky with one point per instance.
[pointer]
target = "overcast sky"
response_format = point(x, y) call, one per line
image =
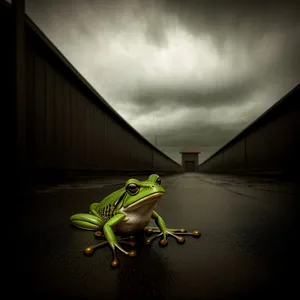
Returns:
point(193, 73)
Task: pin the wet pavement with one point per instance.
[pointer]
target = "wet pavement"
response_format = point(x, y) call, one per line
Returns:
point(248, 248)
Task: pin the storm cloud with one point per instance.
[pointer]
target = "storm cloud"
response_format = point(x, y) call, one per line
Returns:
point(183, 73)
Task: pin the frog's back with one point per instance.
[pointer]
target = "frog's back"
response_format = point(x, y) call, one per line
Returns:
point(111, 199)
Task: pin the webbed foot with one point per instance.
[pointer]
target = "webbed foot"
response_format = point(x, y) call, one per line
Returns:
point(178, 234)
point(130, 241)
point(131, 253)
point(113, 241)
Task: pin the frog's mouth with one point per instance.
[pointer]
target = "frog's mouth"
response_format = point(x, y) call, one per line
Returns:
point(148, 199)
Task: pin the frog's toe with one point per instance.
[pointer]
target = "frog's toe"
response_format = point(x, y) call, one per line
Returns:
point(115, 263)
point(180, 239)
point(90, 250)
point(148, 241)
point(177, 230)
point(131, 253)
point(179, 236)
point(149, 230)
point(163, 242)
point(195, 233)
point(98, 233)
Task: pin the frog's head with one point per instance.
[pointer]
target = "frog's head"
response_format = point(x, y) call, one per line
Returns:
point(142, 192)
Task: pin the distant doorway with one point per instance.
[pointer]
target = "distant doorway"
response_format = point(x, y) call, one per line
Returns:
point(190, 166)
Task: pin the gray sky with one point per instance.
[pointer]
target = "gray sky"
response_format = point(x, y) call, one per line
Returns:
point(193, 73)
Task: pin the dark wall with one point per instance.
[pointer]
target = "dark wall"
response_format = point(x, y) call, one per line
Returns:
point(65, 125)
point(270, 145)
point(191, 157)
point(8, 79)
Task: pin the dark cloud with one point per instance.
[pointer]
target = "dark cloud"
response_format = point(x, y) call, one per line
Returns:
point(194, 96)
point(155, 35)
point(247, 22)
point(198, 134)
point(184, 63)
point(234, 17)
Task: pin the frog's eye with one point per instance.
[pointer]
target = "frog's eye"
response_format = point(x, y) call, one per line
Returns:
point(132, 189)
point(158, 181)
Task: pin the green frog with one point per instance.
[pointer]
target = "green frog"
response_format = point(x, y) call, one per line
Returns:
point(127, 211)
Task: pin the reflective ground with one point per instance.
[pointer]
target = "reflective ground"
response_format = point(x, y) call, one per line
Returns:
point(248, 247)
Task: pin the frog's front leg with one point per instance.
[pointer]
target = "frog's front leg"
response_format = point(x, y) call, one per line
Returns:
point(164, 231)
point(112, 240)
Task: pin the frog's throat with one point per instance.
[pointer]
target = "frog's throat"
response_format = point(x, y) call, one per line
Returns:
point(150, 198)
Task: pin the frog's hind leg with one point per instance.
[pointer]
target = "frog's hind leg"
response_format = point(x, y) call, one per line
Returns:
point(87, 221)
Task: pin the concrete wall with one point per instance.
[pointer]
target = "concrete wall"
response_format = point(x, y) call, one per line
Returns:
point(64, 125)
point(270, 145)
